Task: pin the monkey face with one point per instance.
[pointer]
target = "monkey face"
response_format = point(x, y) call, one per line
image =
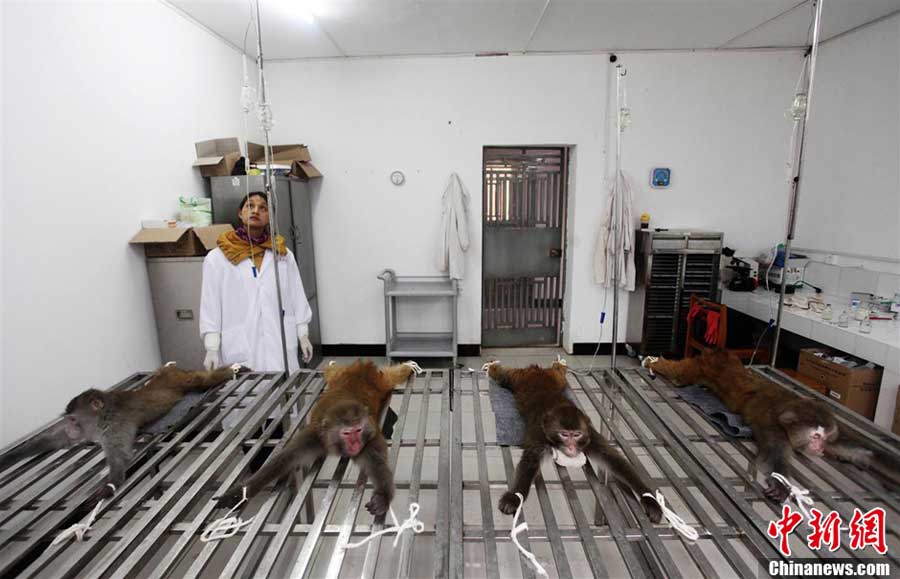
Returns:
point(73, 428)
point(350, 429)
point(82, 413)
point(567, 429)
point(810, 426)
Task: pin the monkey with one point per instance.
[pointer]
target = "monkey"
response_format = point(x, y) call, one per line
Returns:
point(782, 422)
point(552, 421)
point(112, 419)
point(343, 421)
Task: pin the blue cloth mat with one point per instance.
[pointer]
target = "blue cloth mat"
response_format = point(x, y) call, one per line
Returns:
point(510, 425)
point(178, 412)
point(729, 423)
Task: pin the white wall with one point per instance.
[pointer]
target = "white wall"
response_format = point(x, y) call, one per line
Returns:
point(716, 119)
point(850, 192)
point(101, 105)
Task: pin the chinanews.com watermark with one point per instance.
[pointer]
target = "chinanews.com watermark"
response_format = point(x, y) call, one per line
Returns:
point(834, 568)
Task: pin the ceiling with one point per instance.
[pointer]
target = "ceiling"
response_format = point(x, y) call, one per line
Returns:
point(300, 29)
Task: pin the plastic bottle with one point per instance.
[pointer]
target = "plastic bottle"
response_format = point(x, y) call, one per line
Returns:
point(843, 319)
point(827, 313)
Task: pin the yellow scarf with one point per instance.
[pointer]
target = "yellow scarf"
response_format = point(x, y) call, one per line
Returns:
point(237, 250)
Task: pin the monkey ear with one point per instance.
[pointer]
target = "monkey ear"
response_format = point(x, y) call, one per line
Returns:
point(788, 417)
point(97, 404)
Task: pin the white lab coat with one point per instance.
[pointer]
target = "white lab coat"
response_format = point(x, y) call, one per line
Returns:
point(605, 255)
point(454, 228)
point(245, 310)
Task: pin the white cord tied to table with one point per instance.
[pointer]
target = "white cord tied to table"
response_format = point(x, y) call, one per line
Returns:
point(227, 526)
point(486, 365)
point(561, 361)
point(412, 522)
point(415, 367)
point(800, 494)
point(676, 522)
point(169, 363)
point(518, 528)
point(235, 368)
point(645, 363)
point(78, 530)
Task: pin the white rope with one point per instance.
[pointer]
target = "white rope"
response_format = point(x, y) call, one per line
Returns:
point(78, 530)
point(645, 363)
point(169, 363)
point(486, 365)
point(800, 494)
point(518, 528)
point(560, 360)
point(412, 522)
point(415, 367)
point(676, 522)
point(235, 368)
point(228, 525)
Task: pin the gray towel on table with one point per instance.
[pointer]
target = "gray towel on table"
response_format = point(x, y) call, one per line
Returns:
point(510, 425)
point(729, 423)
point(178, 412)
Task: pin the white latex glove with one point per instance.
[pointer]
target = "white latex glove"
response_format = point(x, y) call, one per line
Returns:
point(212, 342)
point(307, 348)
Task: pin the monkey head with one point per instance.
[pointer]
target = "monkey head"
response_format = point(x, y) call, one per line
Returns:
point(567, 429)
point(347, 428)
point(82, 415)
point(810, 425)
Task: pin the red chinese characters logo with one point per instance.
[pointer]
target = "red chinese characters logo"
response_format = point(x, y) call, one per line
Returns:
point(868, 529)
point(825, 530)
point(783, 527)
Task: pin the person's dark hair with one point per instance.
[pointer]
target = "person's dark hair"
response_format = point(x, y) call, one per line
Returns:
point(249, 195)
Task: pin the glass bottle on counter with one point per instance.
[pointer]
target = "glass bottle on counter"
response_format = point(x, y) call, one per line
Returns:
point(843, 319)
point(827, 313)
point(865, 326)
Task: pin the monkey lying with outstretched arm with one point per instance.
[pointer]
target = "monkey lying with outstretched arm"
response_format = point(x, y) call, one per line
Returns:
point(552, 421)
point(343, 421)
point(113, 419)
point(782, 421)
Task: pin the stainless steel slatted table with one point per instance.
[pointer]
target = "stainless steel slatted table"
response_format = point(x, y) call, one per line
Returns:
point(445, 456)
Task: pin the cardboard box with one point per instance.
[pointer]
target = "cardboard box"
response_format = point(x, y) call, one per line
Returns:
point(179, 241)
point(217, 157)
point(806, 381)
point(856, 388)
point(896, 428)
point(293, 157)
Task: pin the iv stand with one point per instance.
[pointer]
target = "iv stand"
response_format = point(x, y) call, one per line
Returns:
point(614, 215)
point(800, 122)
point(273, 218)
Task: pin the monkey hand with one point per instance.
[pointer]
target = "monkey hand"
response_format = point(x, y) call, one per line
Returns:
point(379, 503)
point(775, 490)
point(105, 492)
point(508, 504)
point(230, 498)
point(652, 508)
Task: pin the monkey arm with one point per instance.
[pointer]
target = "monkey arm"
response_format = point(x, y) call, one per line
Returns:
point(680, 372)
point(53, 438)
point(373, 462)
point(600, 450)
point(773, 455)
point(118, 445)
point(499, 374)
point(526, 470)
point(303, 449)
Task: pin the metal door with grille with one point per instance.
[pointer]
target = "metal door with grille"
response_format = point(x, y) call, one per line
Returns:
point(524, 222)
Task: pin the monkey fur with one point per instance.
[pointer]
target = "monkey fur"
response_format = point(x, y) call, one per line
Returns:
point(344, 421)
point(554, 421)
point(782, 421)
point(113, 419)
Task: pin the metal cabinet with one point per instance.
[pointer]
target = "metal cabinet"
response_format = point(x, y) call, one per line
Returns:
point(294, 209)
point(175, 288)
point(670, 266)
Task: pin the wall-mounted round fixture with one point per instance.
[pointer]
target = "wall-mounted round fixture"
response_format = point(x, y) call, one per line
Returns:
point(398, 178)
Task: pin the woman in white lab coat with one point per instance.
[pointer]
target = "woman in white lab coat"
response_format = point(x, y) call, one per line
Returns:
point(238, 303)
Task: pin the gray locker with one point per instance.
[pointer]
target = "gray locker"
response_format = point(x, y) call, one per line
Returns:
point(175, 288)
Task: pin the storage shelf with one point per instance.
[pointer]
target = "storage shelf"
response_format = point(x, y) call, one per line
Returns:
point(434, 345)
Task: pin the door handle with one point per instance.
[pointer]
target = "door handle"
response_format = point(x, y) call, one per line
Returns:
point(556, 252)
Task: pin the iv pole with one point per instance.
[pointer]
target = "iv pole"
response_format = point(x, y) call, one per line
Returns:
point(266, 123)
point(621, 71)
point(800, 121)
